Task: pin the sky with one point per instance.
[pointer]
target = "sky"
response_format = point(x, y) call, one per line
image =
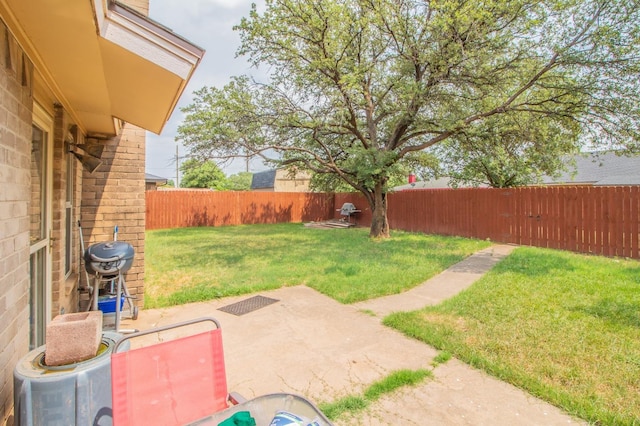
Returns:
point(209, 25)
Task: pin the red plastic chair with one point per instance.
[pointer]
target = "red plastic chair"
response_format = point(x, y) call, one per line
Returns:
point(169, 383)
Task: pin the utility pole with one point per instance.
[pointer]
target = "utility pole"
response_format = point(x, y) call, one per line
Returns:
point(177, 168)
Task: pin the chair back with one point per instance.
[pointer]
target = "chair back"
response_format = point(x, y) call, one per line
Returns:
point(169, 383)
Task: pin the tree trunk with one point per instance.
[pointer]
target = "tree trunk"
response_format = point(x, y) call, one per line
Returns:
point(379, 221)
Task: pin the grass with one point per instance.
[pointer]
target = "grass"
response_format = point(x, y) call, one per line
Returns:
point(195, 264)
point(562, 326)
point(441, 358)
point(352, 404)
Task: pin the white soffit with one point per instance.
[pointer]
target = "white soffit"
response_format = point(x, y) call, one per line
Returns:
point(104, 61)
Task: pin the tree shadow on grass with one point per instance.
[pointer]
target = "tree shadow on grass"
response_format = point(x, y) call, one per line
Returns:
point(613, 311)
point(535, 262)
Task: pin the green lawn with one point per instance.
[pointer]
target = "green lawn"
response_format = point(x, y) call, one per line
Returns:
point(564, 327)
point(194, 264)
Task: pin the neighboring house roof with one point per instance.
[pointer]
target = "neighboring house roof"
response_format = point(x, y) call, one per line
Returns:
point(430, 184)
point(149, 178)
point(595, 168)
point(440, 183)
point(619, 180)
point(600, 168)
point(281, 180)
point(263, 180)
point(104, 61)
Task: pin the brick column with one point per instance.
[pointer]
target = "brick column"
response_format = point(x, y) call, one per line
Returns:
point(113, 195)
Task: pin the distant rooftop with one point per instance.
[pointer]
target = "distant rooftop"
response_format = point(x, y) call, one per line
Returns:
point(148, 177)
point(429, 184)
point(600, 168)
point(263, 180)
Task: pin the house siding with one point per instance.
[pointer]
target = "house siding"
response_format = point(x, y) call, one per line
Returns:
point(285, 182)
point(15, 158)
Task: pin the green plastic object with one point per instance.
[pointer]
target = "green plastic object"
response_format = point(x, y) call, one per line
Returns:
point(241, 418)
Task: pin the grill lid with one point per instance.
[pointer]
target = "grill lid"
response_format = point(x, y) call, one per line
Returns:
point(347, 209)
point(109, 257)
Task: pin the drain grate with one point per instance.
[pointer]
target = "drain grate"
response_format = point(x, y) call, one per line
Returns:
point(248, 305)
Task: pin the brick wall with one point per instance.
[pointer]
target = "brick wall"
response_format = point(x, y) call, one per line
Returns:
point(113, 195)
point(15, 159)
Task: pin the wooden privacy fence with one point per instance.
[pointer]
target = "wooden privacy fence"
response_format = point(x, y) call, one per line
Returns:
point(585, 219)
point(180, 209)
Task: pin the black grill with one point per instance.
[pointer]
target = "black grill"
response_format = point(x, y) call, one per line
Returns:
point(109, 258)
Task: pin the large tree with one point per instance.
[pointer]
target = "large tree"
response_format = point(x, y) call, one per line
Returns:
point(356, 87)
point(239, 182)
point(202, 174)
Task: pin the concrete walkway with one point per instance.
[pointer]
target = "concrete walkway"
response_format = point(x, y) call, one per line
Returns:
point(442, 286)
point(309, 344)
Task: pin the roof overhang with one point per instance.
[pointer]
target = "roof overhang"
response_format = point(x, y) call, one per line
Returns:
point(103, 61)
